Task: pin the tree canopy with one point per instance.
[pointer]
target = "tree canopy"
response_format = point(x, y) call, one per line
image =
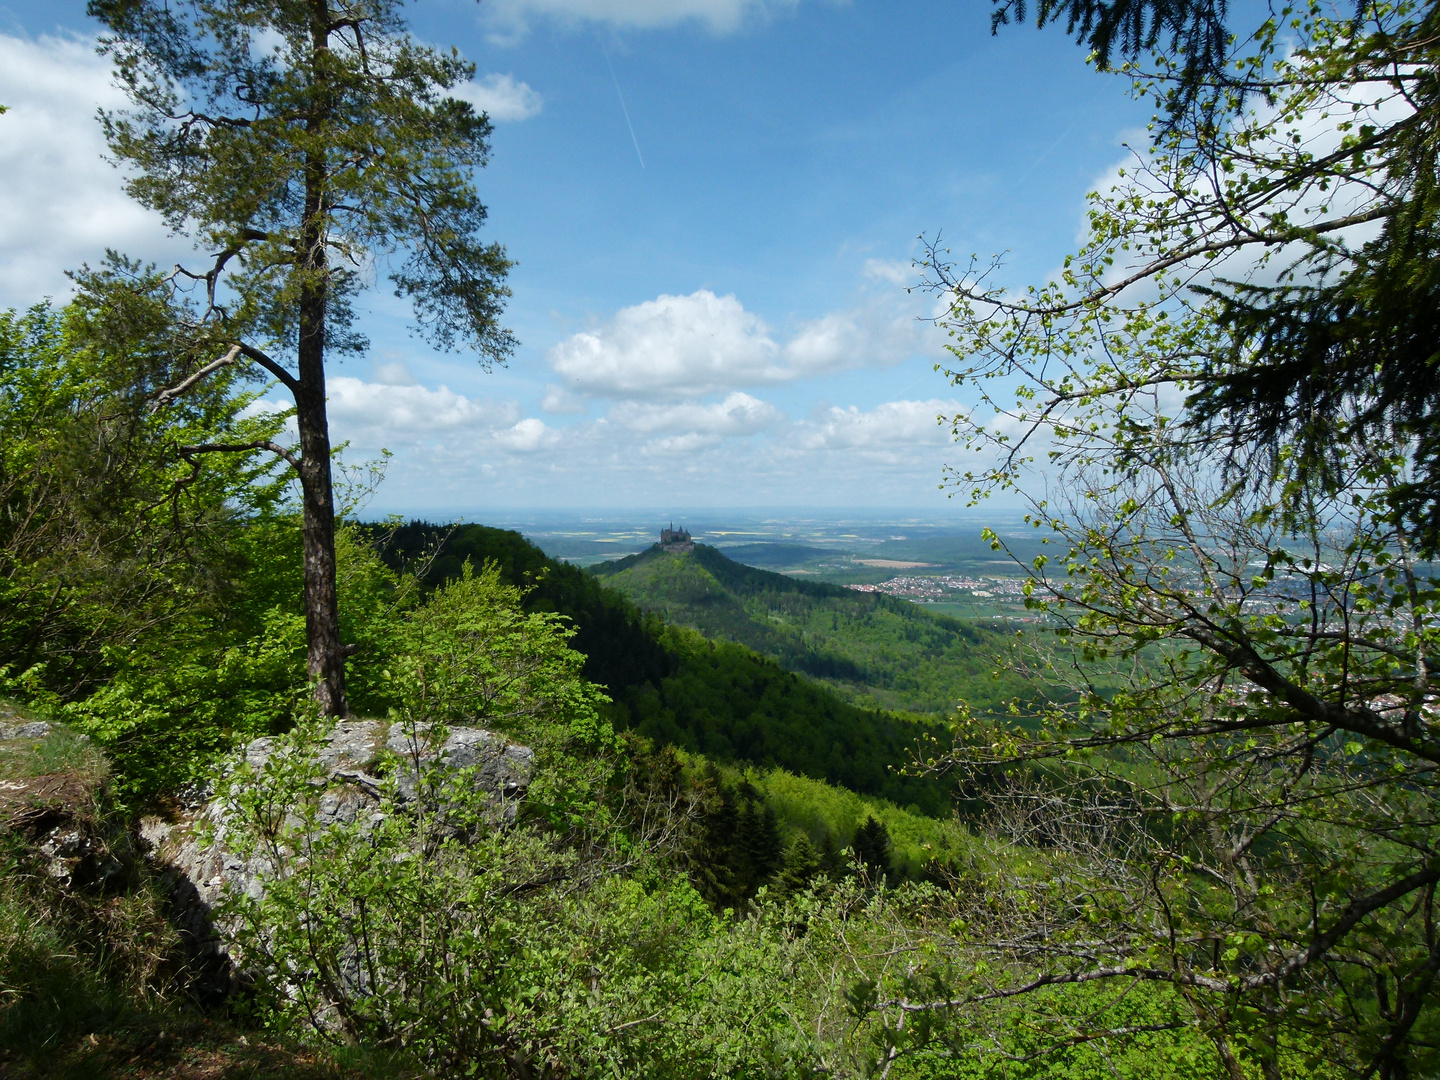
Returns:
point(1293, 182)
point(1219, 414)
point(305, 145)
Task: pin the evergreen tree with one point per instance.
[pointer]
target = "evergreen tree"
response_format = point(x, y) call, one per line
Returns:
point(299, 140)
point(761, 845)
point(833, 863)
point(872, 848)
point(803, 863)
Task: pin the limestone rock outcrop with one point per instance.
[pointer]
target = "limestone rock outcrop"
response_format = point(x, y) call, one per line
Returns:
point(24, 729)
point(349, 755)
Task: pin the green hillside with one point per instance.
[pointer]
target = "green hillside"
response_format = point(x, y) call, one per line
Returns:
point(671, 684)
point(875, 649)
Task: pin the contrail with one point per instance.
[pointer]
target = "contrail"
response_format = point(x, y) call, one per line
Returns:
point(1048, 151)
point(623, 109)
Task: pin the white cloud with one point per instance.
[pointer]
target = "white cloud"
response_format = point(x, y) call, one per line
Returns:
point(737, 451)
point(501, 97)
point(876, 334)
point(681, 445)
point(61, 203)
point(891, 430)
point(692, 346)
point(673, 346)
point(894, 271)
point(738, 414)
point(528, 435)
point(370, 413)
point(511, 18)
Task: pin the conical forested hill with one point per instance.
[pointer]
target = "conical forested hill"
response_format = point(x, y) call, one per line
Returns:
point(674, 685)
point(874, 648)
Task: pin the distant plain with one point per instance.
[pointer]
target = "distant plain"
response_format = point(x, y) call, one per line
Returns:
point(843, 549)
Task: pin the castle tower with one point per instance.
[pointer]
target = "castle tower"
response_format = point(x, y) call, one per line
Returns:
point(676, 540)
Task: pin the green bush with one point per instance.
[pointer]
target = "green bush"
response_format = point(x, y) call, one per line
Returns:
point(430, 925)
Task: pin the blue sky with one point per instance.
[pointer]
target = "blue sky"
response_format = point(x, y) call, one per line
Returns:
point(726, 325)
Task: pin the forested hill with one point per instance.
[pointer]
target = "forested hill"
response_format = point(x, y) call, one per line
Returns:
point(673, 685)
point(874, 648)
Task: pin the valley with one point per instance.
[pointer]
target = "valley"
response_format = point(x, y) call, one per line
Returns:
point(872, 647)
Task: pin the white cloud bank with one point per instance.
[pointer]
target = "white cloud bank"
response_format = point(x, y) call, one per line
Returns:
point(512, 18)
point(701, 344)
point(502, 98)
point(61, 203)
point(453, 449)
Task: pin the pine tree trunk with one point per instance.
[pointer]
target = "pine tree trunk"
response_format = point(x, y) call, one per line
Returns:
point(322, 608)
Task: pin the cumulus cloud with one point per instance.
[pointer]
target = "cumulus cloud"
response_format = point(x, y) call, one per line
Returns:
point(369, 413)
point(738, 414)
point(890, 431)
point(61, 203)
point(673, 346)
point(692, 346)
point(510, 19)
point(504, 99)
point(527, 436)
point(876, 334)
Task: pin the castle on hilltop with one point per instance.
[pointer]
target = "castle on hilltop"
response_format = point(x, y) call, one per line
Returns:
point(673, 539)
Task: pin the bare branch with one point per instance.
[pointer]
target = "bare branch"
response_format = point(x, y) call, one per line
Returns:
point(190, 452)
point(289, 381)
point(166, 396)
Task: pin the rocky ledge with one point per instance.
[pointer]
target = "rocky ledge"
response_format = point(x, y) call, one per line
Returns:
point(349, 755)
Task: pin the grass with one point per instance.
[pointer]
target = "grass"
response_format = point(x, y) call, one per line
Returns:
point(93, 980)
point(816, 808)
point(61, 751)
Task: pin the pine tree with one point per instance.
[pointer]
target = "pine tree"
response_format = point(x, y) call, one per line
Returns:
point(872, 848)
point(803, 863)
point(764, 848)
point(833, 863)
point(300, 141)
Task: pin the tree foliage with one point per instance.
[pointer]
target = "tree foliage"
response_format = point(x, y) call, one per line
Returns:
point(1332, 182)
point(111, 531)
point(673, 686)
point(1245, 823)
point(874, 649)
point(559, 946)
point(304, 143)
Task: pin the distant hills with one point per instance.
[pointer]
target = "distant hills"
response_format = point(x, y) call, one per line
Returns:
point(776, 555)
point(872, 648)
point(677, 684)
